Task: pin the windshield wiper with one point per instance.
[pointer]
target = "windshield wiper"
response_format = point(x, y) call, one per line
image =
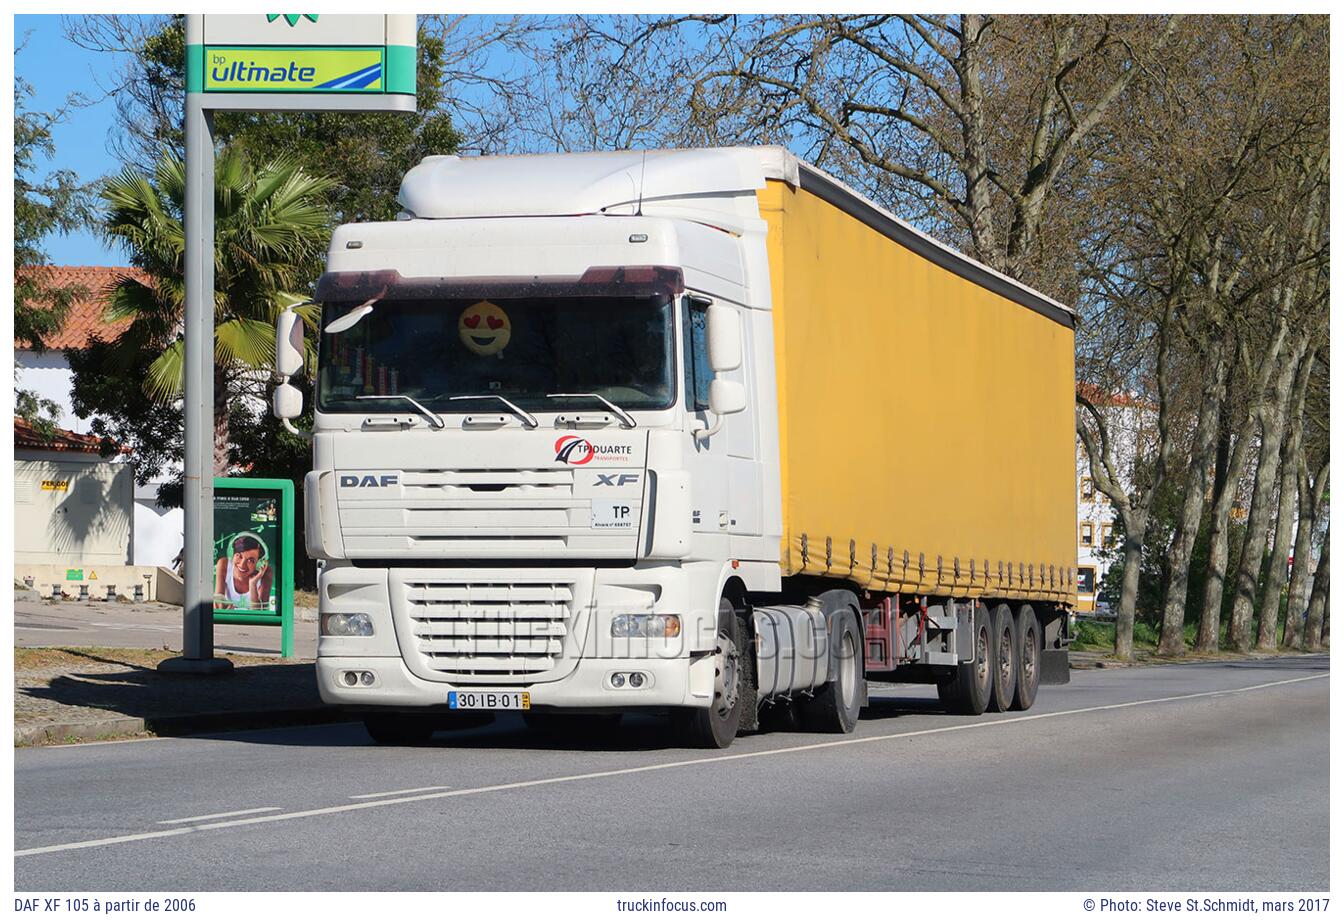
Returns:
point(435, 419)
point(627, 420)
point(529, 420)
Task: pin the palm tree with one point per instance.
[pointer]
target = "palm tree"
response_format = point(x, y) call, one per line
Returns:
point(271, 223)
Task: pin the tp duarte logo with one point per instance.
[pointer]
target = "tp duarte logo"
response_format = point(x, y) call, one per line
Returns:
point(573, 450)
point(577, 451)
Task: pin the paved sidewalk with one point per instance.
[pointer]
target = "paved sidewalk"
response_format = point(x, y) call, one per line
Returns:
point(84, 671)
point(87, 694)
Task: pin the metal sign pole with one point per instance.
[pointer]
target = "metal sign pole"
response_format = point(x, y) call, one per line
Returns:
point(256, 63)
point(198, 485)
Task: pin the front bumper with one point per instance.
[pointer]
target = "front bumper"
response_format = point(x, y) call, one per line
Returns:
point(674, 682)
point(676, 673)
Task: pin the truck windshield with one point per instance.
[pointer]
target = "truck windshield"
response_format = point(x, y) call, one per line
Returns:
point(522, 349)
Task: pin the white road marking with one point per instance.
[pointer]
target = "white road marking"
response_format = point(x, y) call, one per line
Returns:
point(221, 814)
point(649, 768)
point(379, 795)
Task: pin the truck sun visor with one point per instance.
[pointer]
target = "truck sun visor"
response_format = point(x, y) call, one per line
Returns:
point(598, 281)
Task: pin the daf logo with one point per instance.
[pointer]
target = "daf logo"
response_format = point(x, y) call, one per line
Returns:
point(615, 479)
point(367, 481)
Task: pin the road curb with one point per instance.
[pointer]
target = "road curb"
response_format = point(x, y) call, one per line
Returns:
point(90, 730)
point(196, 724)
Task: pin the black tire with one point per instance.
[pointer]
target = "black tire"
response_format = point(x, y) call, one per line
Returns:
point(968, 693)
point(834, 706)
point(578, 725)
point(1004, 651)
point(716, 725)
point(1028, 658)
point(399, 729)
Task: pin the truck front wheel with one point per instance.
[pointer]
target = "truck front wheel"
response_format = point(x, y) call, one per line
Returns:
point(716, 726)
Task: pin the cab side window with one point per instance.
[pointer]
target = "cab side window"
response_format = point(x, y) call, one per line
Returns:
point(698, 374)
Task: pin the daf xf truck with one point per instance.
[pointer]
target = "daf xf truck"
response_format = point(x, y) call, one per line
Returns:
point(696, 433)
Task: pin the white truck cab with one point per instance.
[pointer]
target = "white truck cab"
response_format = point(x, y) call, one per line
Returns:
point(544, 437)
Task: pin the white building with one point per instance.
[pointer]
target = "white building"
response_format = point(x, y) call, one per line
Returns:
point(157, 531)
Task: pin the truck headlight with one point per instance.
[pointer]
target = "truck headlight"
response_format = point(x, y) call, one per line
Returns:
point(646, 626)
point(346, 624)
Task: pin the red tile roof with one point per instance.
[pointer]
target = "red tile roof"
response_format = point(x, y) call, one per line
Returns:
point(26, 435)
point(85, 319)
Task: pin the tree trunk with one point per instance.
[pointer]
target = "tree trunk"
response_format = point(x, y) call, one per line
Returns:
point(221, 422)
point(1210, 615)
point(1176, 585)
point(1320, 591)
point(1309, 495)
point(976, 169)
point(1268, 638)
point(1262, 505)
point(1129, 591)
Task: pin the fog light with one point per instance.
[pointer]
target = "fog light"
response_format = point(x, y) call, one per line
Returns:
point(349, 678)
point(636, 679)
point(618, 680)
point(346, 624)
point(366, 678)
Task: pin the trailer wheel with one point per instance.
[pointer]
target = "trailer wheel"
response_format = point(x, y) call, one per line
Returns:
point(968, 693)
point(716, 726)
point(1028, 658)
point(1003, 645)
point(835, 705)
point(396, 728)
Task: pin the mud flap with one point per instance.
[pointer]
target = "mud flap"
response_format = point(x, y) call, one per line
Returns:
point(1055, 666)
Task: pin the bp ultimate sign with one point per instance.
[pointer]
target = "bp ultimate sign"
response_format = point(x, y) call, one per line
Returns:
point(292, 62)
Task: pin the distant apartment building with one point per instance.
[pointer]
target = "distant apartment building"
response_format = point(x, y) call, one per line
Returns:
point(1132, 427)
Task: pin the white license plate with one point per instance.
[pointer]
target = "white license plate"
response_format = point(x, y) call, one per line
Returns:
point(489, 699)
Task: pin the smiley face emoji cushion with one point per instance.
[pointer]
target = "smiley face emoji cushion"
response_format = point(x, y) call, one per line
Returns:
point(484, 328)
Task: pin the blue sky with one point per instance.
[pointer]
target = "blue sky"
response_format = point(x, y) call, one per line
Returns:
point(56, 68)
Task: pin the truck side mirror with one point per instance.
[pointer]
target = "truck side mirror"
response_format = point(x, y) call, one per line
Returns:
point(288, 345)
point(726, 396)
point(723, 338)
point(287, 401)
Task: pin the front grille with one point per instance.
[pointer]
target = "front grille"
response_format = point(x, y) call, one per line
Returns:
point(490, 630)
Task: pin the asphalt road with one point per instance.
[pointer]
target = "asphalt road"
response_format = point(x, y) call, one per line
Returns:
point(1209, 777)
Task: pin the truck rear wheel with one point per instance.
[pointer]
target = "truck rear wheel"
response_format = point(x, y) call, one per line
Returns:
point(396, 728)
point(1028, 658)
point(834, 706)
point(1003, 645)
point(716, 726)
point(969, 691)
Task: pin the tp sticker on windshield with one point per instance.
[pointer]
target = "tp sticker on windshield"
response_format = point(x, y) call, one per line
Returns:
point(484, 328)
